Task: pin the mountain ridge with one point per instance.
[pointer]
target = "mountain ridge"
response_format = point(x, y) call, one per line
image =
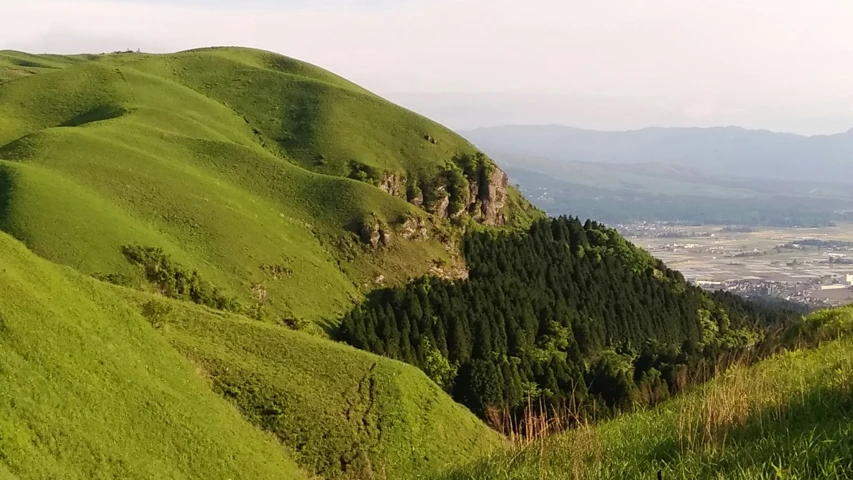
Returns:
point(720, 175)
point(732, 151)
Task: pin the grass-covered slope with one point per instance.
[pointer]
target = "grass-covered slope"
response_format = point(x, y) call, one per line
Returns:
point(233, 161)
point(320, 120)
point(18, 64)
point(790, 416)
point(95, 386)
point(90, 390)
point(340, 410)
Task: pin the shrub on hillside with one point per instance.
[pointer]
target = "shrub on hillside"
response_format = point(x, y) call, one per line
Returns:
point(114, 278)
point(174, 281)
point(437, 367)
point(156, 312)
point(295, 323)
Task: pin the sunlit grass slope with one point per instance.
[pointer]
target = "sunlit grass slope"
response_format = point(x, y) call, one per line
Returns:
point(95, 386)
point(308, 111)
point(342, 411)
point(18, 64)
point(90, 390)
point(788, 417)
point(231, 160)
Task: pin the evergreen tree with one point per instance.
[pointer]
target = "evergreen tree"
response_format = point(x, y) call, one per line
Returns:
point(563, 309)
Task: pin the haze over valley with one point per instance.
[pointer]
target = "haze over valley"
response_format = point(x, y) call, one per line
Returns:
point(716, 202)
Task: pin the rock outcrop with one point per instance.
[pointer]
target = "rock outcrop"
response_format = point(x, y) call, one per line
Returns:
point(393, 183)
point(414, 228)
point(494, 197)
point(489, 200)
point(473, 186)
point(375, 233)
point(438, 202)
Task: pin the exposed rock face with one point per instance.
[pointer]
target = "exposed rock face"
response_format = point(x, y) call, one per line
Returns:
point(414, 228)
point(495, 198)
point(438, 203)
point(449, 273)
point(375, 234)
point(481, 196)
point(485, 202)
point(488, 201)
point(417, 200)
point(392, 183)
point(384, 237)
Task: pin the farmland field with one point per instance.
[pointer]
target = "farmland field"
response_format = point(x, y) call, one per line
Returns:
point(806, 264)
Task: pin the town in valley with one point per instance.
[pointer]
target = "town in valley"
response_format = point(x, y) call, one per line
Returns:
point(810, 266)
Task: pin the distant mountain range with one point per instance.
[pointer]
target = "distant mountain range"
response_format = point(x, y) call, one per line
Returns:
point(729, 151)
point(696, 175)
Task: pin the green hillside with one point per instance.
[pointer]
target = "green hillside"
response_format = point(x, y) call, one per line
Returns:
point(93, 391)
point(236, 179)
point(90, 390)
point(18, 64)
point(236, 163)
point(336, 407)
point(183, 235)
point(790, 416)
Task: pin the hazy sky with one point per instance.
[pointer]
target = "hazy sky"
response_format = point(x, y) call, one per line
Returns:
point(776, 64)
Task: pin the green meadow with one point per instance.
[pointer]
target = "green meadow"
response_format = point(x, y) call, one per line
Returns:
point(90, 390)
point(103, 381)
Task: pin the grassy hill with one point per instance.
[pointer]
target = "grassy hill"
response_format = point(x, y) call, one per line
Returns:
point(335, 407)
point(18, 64)
point(90, 390)
point(95, 386)
point(235, 162)
point(250, 176)
point(790, 416)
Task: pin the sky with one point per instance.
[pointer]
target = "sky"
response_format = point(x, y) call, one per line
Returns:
point(783, 65)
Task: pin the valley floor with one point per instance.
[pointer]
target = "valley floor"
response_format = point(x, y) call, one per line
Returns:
point(805, 265)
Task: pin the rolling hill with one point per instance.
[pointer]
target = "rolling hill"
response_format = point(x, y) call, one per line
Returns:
point(90, 390)
point(255, 186)
point(237, 163)
point(104, 381)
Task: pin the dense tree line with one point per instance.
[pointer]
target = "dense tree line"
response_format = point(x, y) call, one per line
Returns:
point(565, 312)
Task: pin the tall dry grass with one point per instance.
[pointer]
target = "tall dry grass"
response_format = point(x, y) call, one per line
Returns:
point(757, 398)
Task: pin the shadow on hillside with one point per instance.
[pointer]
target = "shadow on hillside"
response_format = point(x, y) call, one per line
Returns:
point(300, 118)
point(329, 326)
point(811, 436)
point(5, 196)
point(97, 114)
